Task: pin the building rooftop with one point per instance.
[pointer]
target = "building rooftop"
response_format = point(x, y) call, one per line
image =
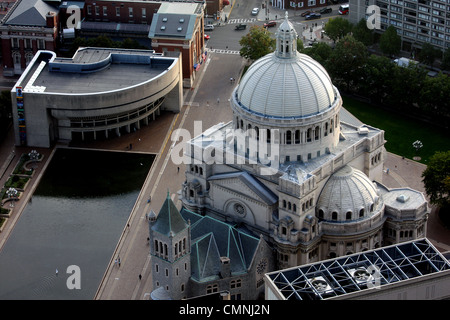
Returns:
point(29, 13)
point(92, 70)
point(357, 272)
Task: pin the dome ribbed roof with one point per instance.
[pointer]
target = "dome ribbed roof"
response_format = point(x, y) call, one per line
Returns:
point(347, 191)
point(286, 88)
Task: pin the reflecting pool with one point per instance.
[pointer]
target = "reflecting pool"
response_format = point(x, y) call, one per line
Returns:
point(75, 217)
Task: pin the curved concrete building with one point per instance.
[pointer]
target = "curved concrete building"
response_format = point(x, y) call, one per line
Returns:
point(98, 93)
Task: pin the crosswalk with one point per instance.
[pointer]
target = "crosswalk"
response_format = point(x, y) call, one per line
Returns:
point(247, 20)
point(224, 51)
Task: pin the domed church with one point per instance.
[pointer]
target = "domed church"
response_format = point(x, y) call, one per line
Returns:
point(296, 169)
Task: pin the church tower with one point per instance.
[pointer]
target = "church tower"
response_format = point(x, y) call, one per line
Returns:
point(170, 243)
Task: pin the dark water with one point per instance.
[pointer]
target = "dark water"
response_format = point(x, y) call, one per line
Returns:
point(76, 217)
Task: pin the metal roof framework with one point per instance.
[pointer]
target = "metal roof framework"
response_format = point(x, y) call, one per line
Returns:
point(361, 271)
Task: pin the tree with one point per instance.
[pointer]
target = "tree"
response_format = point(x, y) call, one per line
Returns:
point(436, 179)
point(390, 42)
point(362, 33)
point(257, 43)
point(347, 61)
point(320, 52)
point(337, 28)
point(428, 54)
point(445, 65)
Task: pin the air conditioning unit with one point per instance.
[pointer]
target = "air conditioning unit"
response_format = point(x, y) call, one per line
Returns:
point(361, 276)
point(320, 285)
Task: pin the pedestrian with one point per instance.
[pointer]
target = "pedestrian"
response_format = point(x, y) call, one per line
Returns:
point(178, 169)
point(118, 261)
point(140, 276)
point(387, 170)
point(56, 272)
point(131, 146)
point(115, 262)
point(218, 100)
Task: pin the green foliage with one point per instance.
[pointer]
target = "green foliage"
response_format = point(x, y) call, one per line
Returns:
point(347, 61)
point(362, 33)
point(390, 42)
point(257, 43)
point(436, 179)
point(103, 41)
point(428, 54)
point(445, 64)
point(337, 28)
point(319, 51)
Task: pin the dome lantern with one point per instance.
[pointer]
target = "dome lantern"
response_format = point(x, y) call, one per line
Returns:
point(286, 40)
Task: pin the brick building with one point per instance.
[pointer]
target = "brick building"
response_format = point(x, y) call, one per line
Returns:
point(29, 26)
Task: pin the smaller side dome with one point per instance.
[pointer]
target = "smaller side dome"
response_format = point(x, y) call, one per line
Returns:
point(348, 195)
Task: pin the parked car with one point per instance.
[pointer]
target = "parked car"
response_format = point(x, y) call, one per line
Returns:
point(255, 11)
point(304, 14)
point(208, 27)
point(206, 37)
point(240, 26)
point(325, 10)
point(313, 15)
point(270, 24)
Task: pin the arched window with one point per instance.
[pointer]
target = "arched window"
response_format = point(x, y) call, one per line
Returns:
point(361, 213)
point(242, 124)
point(326, 129)
point(257, 133)
point(284, 203)
point(288, 137)
point(297, 136)
point(321, 213)
point(268, 135)
point(316, 133)
point(334, 216)
point(237, 123)
point(348, 215)
point(308, 135)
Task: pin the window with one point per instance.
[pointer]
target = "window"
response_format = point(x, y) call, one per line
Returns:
point(235, 284)
point(40, 44)
point(105, 11)
point(97, 10)
point(130, 12)
point(348, 215)
point(288, 137)
point(361, 213)
point(118, 11)
point(89, 10)
point(15, 42)
point(334, 215)
point(212, 288)
point(144, 13)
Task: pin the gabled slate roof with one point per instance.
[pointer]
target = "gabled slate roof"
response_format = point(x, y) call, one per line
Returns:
point(251, 182)
point(171, 25)
point(169, 219)
point(212, 239)
point(30, 13)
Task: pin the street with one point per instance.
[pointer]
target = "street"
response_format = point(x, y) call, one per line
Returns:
point(225, 37)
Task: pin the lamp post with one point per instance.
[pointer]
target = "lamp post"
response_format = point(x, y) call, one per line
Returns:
point(417, 145)
point(34, 156)
point(12, 193)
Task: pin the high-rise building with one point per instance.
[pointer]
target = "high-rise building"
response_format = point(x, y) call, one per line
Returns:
point(417, 21)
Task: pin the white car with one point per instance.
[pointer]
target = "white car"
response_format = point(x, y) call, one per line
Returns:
point(255, 11)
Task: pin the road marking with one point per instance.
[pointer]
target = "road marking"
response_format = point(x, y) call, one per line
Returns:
point(224, 51)
point(245, 20)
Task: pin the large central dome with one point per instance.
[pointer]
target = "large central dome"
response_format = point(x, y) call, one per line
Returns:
point(286, 83)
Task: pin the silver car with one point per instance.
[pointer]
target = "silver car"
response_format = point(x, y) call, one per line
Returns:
point(255, 11)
